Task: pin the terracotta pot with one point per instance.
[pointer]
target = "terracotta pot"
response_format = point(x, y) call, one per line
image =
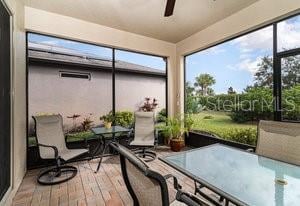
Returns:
point(107, 125)
point(176, 144)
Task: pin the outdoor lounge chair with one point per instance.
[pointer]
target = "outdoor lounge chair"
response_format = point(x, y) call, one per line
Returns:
point(51, 143)
point(147, 187)
point(144, 135)
point(279, 140)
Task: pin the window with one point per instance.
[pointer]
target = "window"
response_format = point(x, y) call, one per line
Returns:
point(290, 78)
point(70, 91)
point(139, 76)
point(93, 81)
point(289, 34)
point(229, 86)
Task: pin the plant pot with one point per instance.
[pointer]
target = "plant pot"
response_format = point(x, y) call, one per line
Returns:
point(176, 144)
point(107, 125)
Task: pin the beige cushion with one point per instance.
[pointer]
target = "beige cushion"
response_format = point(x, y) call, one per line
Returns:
point(177, 203)
point(71, 153)
point(144, 131)
point(279, 140)
point(147, 191)
point(49, 131)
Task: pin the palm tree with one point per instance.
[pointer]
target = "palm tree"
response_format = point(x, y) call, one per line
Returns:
point(204, 81)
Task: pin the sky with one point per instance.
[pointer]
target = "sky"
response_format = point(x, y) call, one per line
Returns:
point(234, 63)
point(102, 52)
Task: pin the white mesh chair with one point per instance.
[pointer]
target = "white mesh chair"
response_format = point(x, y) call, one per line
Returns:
point(149, 188)
point(144, 135)
point(279, 140)
point(52, 145)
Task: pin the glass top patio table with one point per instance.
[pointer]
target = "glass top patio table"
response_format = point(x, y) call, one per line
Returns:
point(112, 130)
point(242, 177)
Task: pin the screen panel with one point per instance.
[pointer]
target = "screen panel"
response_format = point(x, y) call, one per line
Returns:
point(5, 101)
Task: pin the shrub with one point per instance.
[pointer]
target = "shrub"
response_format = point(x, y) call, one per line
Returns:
point(291, 103)
point(188, 121)
point(86, 124)
point(245, 136)
point(162, 115)
point(124, 118)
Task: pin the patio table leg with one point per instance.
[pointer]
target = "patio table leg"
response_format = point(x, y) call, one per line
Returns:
point(96, 151)
point(103, 152)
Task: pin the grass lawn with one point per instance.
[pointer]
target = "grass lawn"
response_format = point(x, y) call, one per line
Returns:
point(220, 124)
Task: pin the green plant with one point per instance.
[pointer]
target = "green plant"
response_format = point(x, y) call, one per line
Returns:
point(149, 106)
point(245, 136)
point(86, 124)
point(124, 118)
point(74, 117)
point(108, 117)
point(162, 115)
point(174, 128)
point(188, 121)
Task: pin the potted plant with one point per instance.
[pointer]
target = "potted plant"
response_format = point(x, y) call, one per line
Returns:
point(174, 131)
point(107, 120)
point(149, 105)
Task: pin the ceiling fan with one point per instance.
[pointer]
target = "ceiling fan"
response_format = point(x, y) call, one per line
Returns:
point(169, 8)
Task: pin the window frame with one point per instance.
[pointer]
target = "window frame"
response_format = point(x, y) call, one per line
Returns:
point(113, 86)
point(277, 56)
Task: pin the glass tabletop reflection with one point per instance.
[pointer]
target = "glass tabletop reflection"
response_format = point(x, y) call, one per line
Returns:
point(247, 177)
point(112, 130)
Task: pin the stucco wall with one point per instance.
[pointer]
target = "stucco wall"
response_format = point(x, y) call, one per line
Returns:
point(50, 93)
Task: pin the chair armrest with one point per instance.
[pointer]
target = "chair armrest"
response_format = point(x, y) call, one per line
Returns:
point(250, 150)
point(177, 186)
point(49, 146)
point(190, 199)
point(130, 133)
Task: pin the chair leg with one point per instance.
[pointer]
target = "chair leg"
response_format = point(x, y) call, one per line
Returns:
point(198, 191)
point(146, 154)
point(57, 175)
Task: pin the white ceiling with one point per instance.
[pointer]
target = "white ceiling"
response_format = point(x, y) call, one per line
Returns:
point(145, 17)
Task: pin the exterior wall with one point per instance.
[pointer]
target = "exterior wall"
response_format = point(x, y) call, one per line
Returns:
point(50, 93)
point(67, 27)
point(18, 100)
point(131, 91)
point(256, 15)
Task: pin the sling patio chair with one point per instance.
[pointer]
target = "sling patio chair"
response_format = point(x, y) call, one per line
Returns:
point(279, 140)
point(148, 187)
point(145, 135)
point(51, 143)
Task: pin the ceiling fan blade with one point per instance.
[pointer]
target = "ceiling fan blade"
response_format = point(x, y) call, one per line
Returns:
point(170, 7)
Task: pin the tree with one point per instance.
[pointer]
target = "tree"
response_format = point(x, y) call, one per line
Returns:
point(231, 90)
point(189, 89)
point(264, 75)
point(290, 69)
point(204, 81)
point(191, 102)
